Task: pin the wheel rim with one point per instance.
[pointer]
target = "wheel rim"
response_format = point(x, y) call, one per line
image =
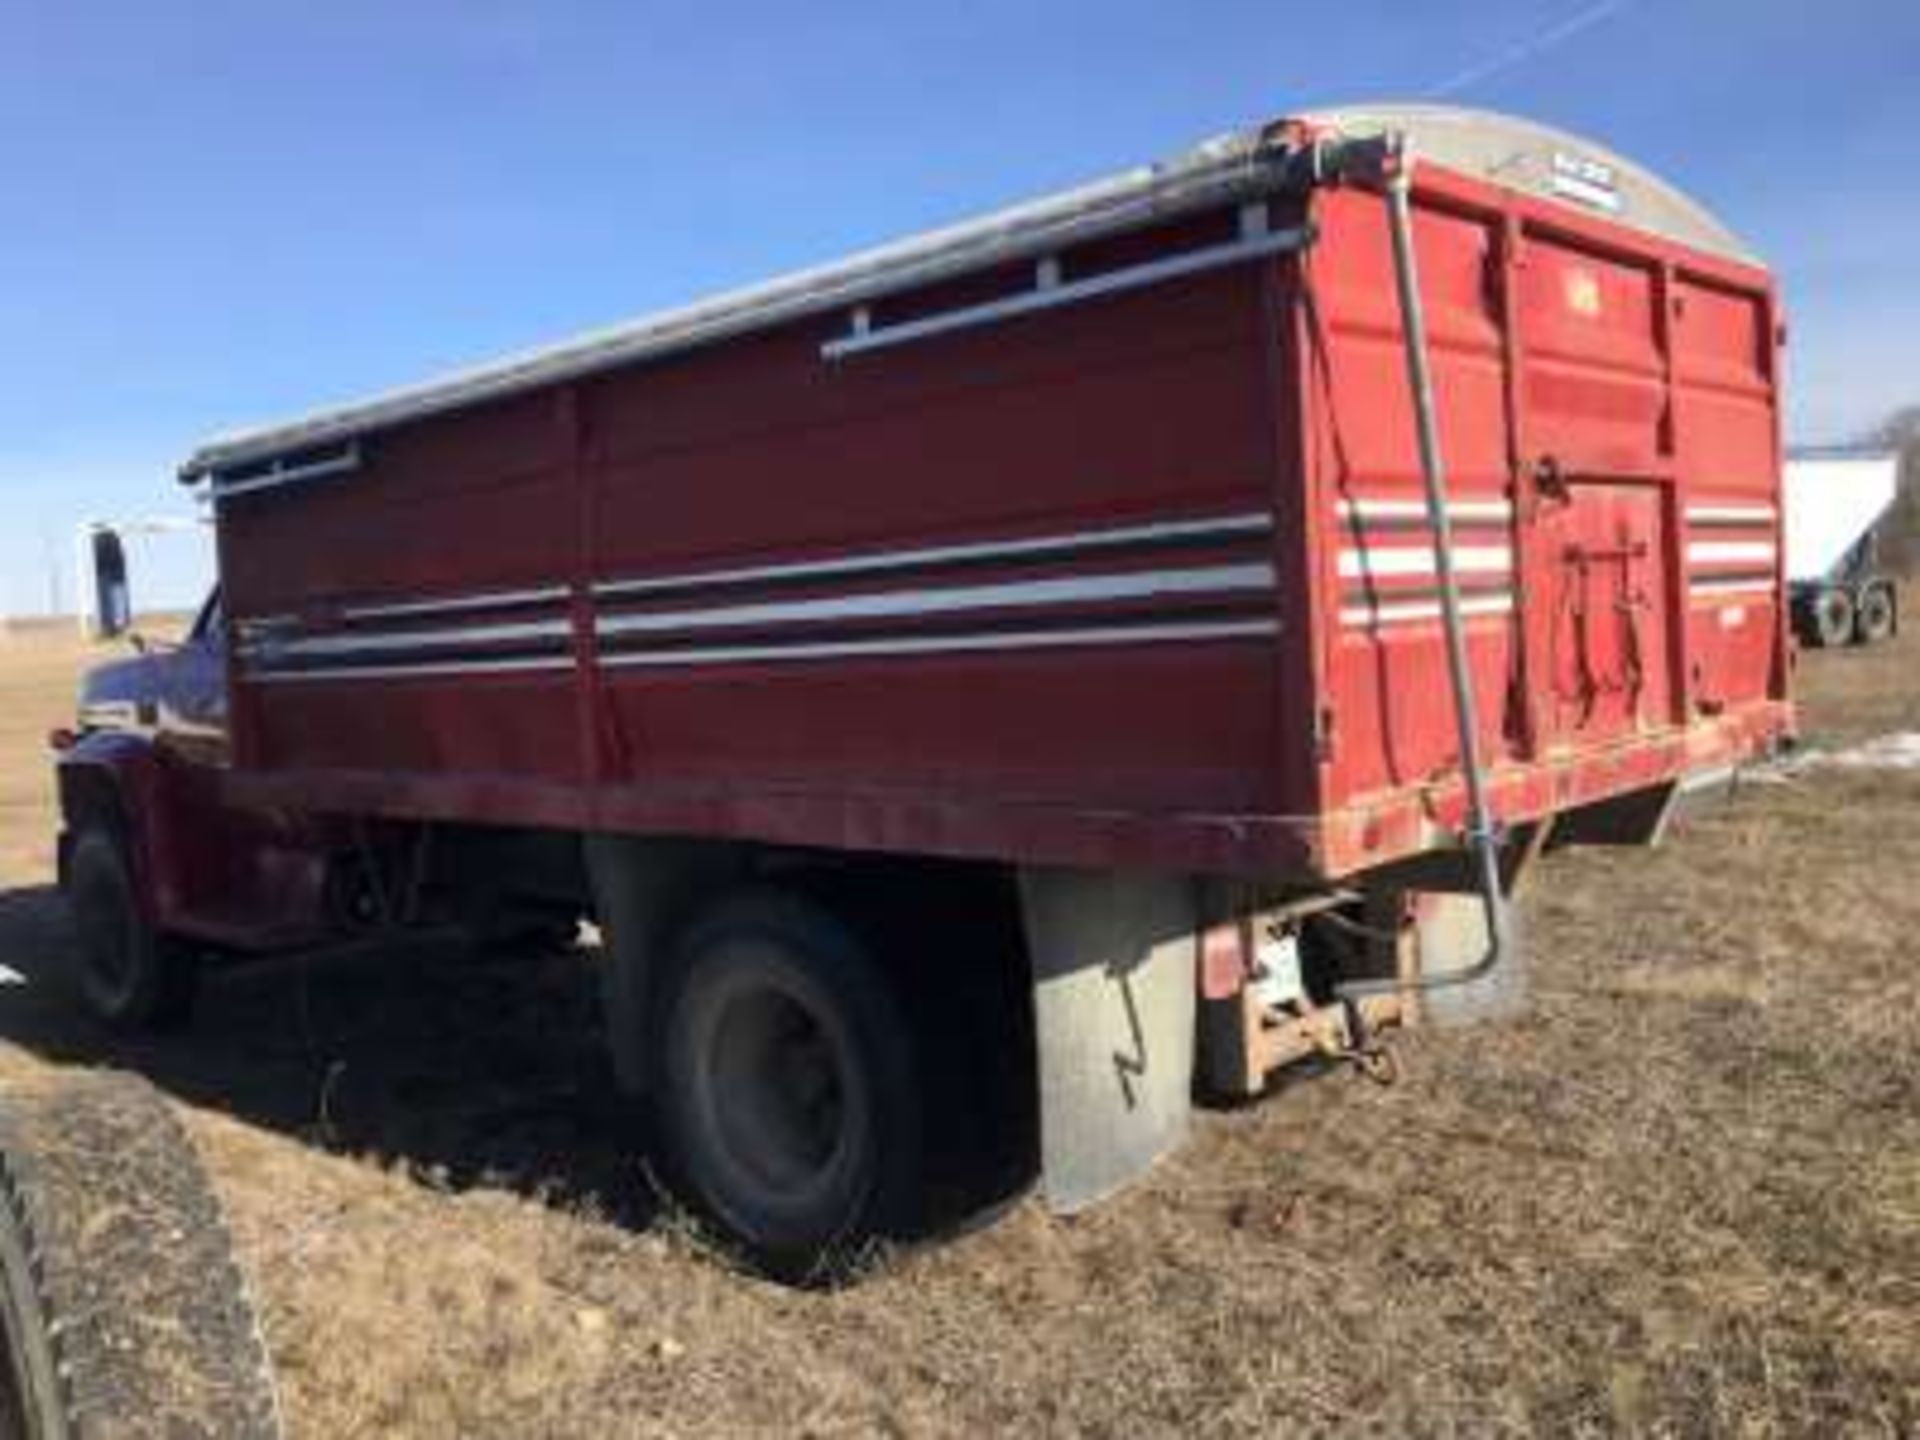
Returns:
point(777, 1085)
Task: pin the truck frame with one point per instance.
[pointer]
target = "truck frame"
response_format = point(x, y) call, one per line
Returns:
point(987, 687)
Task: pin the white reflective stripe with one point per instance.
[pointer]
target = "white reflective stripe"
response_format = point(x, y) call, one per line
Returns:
point(1246, 523)
point(1388, 612)
point(1418, 560)
point(422, 668)
point(488, 600)
point(401, 641)
point(1703, 588)
point(1201, 580)
point(947, 644)
point(1417, 509)
point(1756, 514)
point(1716, 552)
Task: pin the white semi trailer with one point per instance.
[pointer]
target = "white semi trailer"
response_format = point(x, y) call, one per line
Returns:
point(1836, 499)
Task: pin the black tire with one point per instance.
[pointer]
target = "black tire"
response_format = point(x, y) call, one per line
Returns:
point(1832, 618)
point(1874, 620)
point(787, 1101)
point(128, 974)
point(123, 1310)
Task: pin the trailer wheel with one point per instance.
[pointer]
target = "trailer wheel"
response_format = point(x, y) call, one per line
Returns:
point(1874, 621)
point(1832, 618)
point(122, 1309)
point(128, 974)
point(786, 1091)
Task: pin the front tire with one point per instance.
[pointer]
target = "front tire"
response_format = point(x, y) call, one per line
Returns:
point(787, 1097)
point(128, 974)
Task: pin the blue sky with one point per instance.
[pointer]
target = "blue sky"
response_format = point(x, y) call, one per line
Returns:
point(215, 213)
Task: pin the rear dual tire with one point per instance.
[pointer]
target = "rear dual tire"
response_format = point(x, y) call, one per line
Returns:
point(1838, 616)
point(1874, 618)
point(785, 1090)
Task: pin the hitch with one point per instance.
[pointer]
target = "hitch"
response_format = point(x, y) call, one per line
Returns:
point(1256, 1022)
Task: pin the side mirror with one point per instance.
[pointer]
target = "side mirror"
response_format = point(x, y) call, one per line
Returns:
point(109, 601)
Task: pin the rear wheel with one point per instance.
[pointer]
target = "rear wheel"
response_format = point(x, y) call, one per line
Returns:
point(787, 1095)
point(128, 974)
point(1832, 618)
point(1874, 621)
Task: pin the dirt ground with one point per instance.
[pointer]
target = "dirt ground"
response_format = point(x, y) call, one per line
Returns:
point(1681, 1196)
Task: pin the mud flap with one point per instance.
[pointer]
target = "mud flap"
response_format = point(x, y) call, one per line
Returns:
point(1113, 998)
point(1451, 935)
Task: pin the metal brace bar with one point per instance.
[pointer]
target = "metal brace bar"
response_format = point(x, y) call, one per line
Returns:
point(1134, 277)
point(280, 473)
point(1482, 834)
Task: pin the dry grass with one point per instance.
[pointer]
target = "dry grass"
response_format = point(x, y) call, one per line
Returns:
point(37, 676)
point(1683, 1195)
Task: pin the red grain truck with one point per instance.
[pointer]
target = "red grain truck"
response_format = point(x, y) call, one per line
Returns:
point(986, 689)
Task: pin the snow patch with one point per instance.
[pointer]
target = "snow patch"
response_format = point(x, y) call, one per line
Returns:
point(1897, 751)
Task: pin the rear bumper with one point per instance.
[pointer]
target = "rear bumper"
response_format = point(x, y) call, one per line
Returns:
point(1407, 822)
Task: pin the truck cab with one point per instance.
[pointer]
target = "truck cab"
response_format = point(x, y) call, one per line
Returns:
point(171, 691)
point(134, 774)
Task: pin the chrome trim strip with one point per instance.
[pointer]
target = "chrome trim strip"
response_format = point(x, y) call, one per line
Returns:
point(1384, 560)
point(1200, 580)
point(881, 562)
point(494, 600)
point(262, 632)
point(112, 715)
point(945, 644)
point(426, 668)
point(1050, 297)
point(406, 640)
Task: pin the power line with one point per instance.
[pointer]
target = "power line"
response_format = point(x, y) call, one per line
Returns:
point(1521, 51)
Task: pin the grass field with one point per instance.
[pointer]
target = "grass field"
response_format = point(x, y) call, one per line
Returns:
point(1681, 1196)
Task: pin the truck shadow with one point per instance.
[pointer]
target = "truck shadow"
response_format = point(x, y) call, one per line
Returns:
point(466, 1069)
